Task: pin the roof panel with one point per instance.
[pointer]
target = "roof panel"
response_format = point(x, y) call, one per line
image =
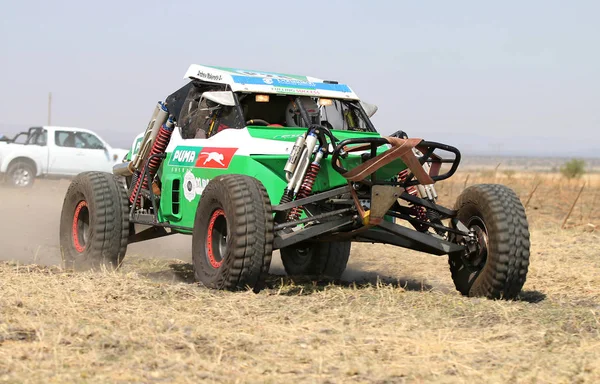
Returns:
point(242, 80)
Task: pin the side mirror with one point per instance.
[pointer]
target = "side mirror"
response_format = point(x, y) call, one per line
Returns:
point(370, 109)
point(219, 97)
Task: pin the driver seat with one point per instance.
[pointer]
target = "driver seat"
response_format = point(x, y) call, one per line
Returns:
point(272, 111)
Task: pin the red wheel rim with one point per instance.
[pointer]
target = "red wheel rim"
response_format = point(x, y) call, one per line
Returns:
point(216, 238)
point(78, 228)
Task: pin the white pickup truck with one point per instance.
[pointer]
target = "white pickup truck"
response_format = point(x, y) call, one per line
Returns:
point(54, 152)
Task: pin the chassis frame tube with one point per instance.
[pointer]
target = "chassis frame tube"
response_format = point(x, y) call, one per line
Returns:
point(311, 199)
point(313, 218)
point(287, 239)
point(394, 234)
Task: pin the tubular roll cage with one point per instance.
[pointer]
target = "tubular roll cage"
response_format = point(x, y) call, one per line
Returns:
point(375, 143)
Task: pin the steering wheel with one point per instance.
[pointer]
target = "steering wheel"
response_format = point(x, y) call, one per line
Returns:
point(261, 122)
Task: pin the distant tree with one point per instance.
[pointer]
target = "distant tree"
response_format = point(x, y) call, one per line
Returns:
point(573, 169)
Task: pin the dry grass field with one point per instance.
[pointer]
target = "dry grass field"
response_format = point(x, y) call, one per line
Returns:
point(395, 318)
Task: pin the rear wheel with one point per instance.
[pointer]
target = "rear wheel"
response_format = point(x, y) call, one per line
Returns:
point(498, 267)
point(322, 260)
point(94, 224)
point(233, 234)
point(21, 174)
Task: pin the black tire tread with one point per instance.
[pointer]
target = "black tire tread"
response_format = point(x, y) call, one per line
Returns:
point(505, 271)
point(108, 205)
point(251, 243)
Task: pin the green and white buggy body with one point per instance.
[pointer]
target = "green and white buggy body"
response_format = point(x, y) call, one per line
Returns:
point(248, 162)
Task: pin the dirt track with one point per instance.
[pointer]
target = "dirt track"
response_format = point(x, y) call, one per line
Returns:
point(147, 323)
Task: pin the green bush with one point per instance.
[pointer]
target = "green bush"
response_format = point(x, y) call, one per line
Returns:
point(573, 169)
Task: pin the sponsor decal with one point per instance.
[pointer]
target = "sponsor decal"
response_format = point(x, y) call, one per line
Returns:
point(207, 157)
point(289, 136)
point(193, 186)
point(285, 82)
point(289, 84)
point(215, 157)
point(184, 156)
point(209, 76)
point(270, 75)
point(297, 91)
point(274, 81)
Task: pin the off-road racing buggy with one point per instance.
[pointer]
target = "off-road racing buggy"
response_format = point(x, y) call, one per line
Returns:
point(249, 162)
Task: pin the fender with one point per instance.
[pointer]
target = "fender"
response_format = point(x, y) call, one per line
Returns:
point(10, 160)
point(9, 152)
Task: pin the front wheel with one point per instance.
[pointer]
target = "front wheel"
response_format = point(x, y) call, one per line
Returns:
point(232, 239)
point(497, 269)
point(94, 224)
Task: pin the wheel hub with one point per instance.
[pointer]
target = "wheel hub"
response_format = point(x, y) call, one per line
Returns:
point(478, 257)
point(81, 225)
point(21, 177)
point(302, 256)
point(216, 238)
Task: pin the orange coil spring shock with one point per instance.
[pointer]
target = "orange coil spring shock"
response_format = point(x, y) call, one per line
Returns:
point(305, 189)
point(159, 146)
point(417, 211)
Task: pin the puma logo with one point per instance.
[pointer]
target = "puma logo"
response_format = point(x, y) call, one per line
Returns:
point(213, 156)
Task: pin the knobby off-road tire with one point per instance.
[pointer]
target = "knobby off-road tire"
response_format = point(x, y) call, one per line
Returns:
point(94, 224)
point(498, 217)
point(20, 174)
point(232, 239)
point(322, 260)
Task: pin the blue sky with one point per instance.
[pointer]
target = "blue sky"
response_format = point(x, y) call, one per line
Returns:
point(510, 77)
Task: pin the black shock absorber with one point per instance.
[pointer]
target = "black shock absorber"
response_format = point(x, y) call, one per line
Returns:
point(134, 179)
point(286, 197)
point(159, 146)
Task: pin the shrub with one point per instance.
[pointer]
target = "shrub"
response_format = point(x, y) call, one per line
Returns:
point(573, 168)
point(509, 173)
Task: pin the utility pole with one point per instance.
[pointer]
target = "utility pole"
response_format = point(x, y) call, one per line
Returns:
point(50, 108)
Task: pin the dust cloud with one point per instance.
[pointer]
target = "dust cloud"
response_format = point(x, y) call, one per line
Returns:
point(30, 227)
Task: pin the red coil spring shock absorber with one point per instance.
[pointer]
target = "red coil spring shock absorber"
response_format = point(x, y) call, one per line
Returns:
point(412, 190)
point(159, 146)
point(305, 189)
point(417, 211)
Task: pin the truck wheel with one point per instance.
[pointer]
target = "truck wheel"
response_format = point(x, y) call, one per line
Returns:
point(94, 224)
point(323, 260)
point(498, 268)
point(21, 174)
point(232, 238)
